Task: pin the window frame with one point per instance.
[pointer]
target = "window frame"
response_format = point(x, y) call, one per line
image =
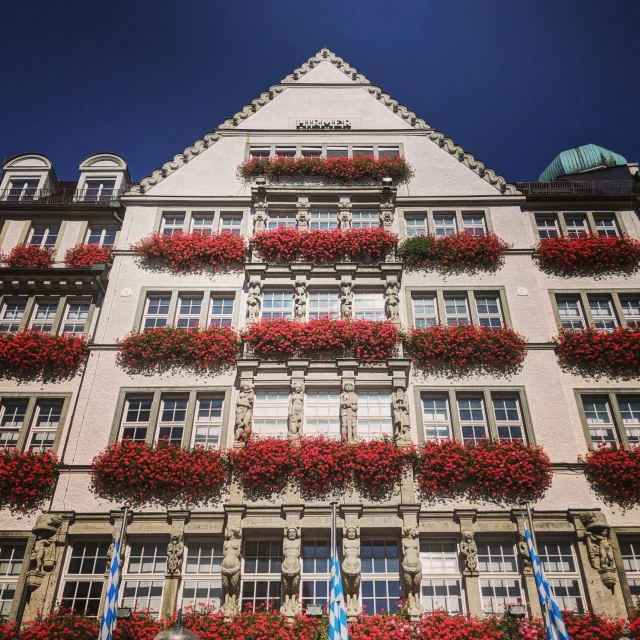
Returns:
point(299, 146)
point(11, 539)
point(216, 211)
point(270, 577)
point(139, 577)
point(501, 575)
point(568, 575)
point(563, 214)
point(375, 576)
point(315, 576)
point(615, 297)
point(194, 542)
point(443, 575)
point(458, 212)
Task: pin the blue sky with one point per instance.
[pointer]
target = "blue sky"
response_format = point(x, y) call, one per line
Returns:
point(513, 81)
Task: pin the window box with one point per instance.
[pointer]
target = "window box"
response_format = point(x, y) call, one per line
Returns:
point(188, 252)
point(464, 349)
point(588, 255)
point(27, 479)
point(84, 256)
point(29, 256)
point(614, 474)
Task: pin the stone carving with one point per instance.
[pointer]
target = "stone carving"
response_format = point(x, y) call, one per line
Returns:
point(296, 409)
point(599, 549)
point(261, 214)
point(175, 551)
point(525, 558)
point(244, 410)
point(291, 571)
point(392, 300)
point(254, 294)
point(412, 570)
point(110, 552)
point(346, 299)
point(469, 554)
point(351, 568)
point(43, 557)
point(349, 412)
point(401, 424)
point(230, 569)
point(344, 215)
point(303, 215)
point(300, 307)
point(386, 215)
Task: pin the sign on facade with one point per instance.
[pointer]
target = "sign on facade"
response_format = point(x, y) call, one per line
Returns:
point(323, 124)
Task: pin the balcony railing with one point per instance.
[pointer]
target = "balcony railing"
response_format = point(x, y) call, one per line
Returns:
point(90, 195)
point(581, 188)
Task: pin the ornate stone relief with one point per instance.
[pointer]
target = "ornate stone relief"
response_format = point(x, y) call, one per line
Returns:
point(401, 423)
point(300, 306)
point(296, 409)
point(412, 571)
point(303, 213)
point(344, 213)
point(254, 298)
point(44, 555)
point(386, 215)
point(260, 216)
point(175, 551)
point(599, 549)
point(346, 299)
point(349, 411)
point(351, 569)
point(230, 569)
point(469, 554)
point(392, 300)
point(525, 558)
point(291, 572)
point(244, 409)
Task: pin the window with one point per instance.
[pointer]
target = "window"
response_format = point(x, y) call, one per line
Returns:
point(11, 559)
point(570, 312)
point(75, 318)
point(12, 314)
point(457, 310)
point(388, 152)
point(143, 578)
point(365, 219)
point(323, 304)
point(606, 226)
point(380, 583)
point(202, 223)
point(221, 311)
point(441, 578)
point(43, 315)
point(444, 224)
point(173, 415)
point(374, 415)
point(231, 223)
point(172, 223)
point(261, 577)
point(337, 152)
point(201, 580)
point(277, 304)
point(605, 310)
point(270, 413)
point(311, 152)
point(436, 418)
point(189, 310)
point(102, 236)
point(473, 222)
point(12, 418)
point(576, 226)
point(473, 420)
point(25, 189)
point(425, 310)
point(315, 572)
point(45, 426)
point(322, 413)
point(547, 227)
point(99, 190)
point(630, 551)
point(415, 224)
point(135, 419)
point(281, 221)
point(509, 423)
point(44, 236)
point(361, 152)
point(208, 421)
point(489, 314)
point(612, 418)
point(156, 313)
point(630, 414)
point(562, 574)
point(323, 220)
point(369, 305)
point(598, 416)
point(259, 152)
point(499, 578)
point(84, 578)
point(286, 152)
point(631, 311)
point(602, 314)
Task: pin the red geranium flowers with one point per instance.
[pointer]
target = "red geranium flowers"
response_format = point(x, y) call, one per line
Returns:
point(84, 256)
point(29, 256)
point(27, 479)
point(614, 474)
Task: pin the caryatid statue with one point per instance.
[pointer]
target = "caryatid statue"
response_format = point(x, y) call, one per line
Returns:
point(351, 570)
point(244, 410)
point(412, 571)
point(296, 409)
point(291, 572)
point(349, 412)
point(230, 569)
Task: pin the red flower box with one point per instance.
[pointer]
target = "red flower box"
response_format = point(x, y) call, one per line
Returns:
point(34, 354)
point(29, 256)
point(27, 479)
point(441, 470)
point(614, 474)
point(84, 256)
point(365, 340)
point(340, 170)
point(457, 253)
point(165, 474)
point(466, 349)
point(588, 255)
point(187, 252)
point(209, 350)
point(356, 245)
point(594, 353)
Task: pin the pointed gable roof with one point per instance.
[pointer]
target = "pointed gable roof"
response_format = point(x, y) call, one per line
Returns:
point(352, 76)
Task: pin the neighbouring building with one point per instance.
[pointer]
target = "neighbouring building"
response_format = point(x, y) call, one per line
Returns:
point(470, 552)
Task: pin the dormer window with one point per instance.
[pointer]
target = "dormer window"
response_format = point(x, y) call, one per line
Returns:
point(99, 190)
point(23, 189)
point(44, 236)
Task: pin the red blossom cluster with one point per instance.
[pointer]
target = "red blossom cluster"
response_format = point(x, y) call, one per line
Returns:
point(357, 245)
point(594, 353)
point(464, 349)
point(341, 170)
point(614, 474)
point(377, 467)
point(167, 474)
point(365, 340)
point(588, 255)
point(209, 350)
point(29, 256)
point(187, 252)
point(84, 256)
point(37, 355)
point(504, 472)
point(27, 479)
point(461, 252)
point(60, 624)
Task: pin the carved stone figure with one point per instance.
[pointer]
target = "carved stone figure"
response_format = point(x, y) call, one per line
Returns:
point(412, 570)
point(244, 410)
point(175, 551)
point(300, 307)
point(469, 553)
point(600, 549)
point(386, 216)
point(253, 300)
point(392, 300)
point(346, 299)
point(290, 572)
point(525, 557)
point(344, 215)
point(351, 569)
point(349, 412)
point(303, 215)
point(43, 558)
point(110, 551)
point(261, 214)
point(230, 569)
point(296, 409)
point(401, 425)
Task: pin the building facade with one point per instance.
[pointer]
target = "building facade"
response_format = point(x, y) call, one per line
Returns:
point(471, 553)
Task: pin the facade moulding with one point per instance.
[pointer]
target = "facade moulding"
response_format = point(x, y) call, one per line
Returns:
point(235, 201)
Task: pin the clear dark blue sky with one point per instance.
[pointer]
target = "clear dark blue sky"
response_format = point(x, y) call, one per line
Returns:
point(513, 81)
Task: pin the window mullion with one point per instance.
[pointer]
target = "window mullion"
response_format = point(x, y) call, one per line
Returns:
point(59, 317)
point(173, 309)
point(26, 427)
point(206, 309)
point(562, 224)
point(490, 415)
point(189, 419)
point(473, 310)
point(455, 416)
point(430, 223)
point(586, 309)
point(186, 228)
point(153, 418)
point(617, 419)
point(28, 311)
point(617, 309)
point(459, 221)
point(591, 222)
point(441, 307)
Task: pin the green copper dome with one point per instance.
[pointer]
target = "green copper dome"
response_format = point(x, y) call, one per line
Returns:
point(588, 156)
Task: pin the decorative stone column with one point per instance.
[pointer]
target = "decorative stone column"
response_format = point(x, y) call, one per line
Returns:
point(351, 564)
point(244, 408)
point(387, 215)
point(175, 555)
point(392, 300)
point(296, 409)
point(346, 298)
point(349, 411)
point(291, 572)
point(300, 302)
point(344, 212)
point(401, 422)
point(254, 300)
point(231, 560)
point(411, 574)
point(303, 213)
point(260, 215)
point(469, 552)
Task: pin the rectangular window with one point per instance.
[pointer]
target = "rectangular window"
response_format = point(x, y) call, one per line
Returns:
point(457, 310)
point(315, 572)
point(189, 310)
point(415, 224)
point(202, 223)
point(270, 413)
point(489, 312)
point(231, 223)
point(99, 190)
point(12, 314)
point(323, 304)
point(24, 189)
point(281, 221)
point(380, 584)
point(221, 310)
point(322, 413)
point(547, 227)
point(259, 152)
point(311, 152)
point(473, 222)
point(369, 305)
point(436, 417)
point(44, 236)
point(374, 415)
point(261, 578)
point(570, 312)
point(499, 579)
point(143, 578)
point(441, 578)
point(508, 416)
point(631, 311)
point(172, 223)
point(562, 573)
point(136, 418)
point(425, 310)
point(602, 313)
point(75, 317)
point(606, 226)
point(102, 236)
point(361, 152)
point(277, 304)
point(286, 152)
point(43, 315)
point(323, 220)
point(599, 420)
point(630, 551)
point(173, 416)
point(208, 421)
point(12, 417)
point(576, 226)
point(473, 420)
point(45, 425)
point(84, 578)
point(388, 152)
point(337, 152)
point(156, 313)
point(11, 559)
point(201, 579)
point(365, 219)
point(630, 413)
point(444, 224)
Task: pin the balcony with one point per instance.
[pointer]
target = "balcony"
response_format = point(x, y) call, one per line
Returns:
point(71, 196)
point(582, 188)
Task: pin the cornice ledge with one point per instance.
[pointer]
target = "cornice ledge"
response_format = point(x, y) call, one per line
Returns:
point(325, 55)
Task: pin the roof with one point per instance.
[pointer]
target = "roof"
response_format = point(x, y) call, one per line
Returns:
point(579, 159)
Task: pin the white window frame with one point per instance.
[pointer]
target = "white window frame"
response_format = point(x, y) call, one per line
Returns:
point(471, 225)
point(508, 423)
point(444, 223)
point(81, 323)
point(440, 569)
point(137, 424)
point(374, 425)
point(209, 582)
point(213, 424)
point(47, 229)
point(43, 430)
point(387, 576)
point(556, 577)
point(457, 318)
point(365, 219)
point(202, 216)
point(322, 413)
point(285, 296)
point(472, 423)
point(631, 565)
point(567, 319)
point(172, 425)
point(12, 428)
point(24, 191)
point(270, 413)
point(139, 578)
point(497, 578)
point(489, 316)
point(103, 230)
point(436, 426)
point(323, 303)
point(12, 322)
point(272, 577)
point(369, 304)
point(10, 576)
point(186, 317)
point(170, 229)
point(545, 230)
point(598, 429)
point(148, 315)
point(315, 577)
point(419, 223)
point(100, 185)
point(597, 306)
point(323, 219)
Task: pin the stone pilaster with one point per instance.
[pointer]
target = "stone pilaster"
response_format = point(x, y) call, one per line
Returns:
point(531, 591)
point(303, 213)
point(351, 564)
point(411, 567)
point(466, 519)
point(231, 561)
point(344, 212)
point(175, 556)
point(291, 560)
point(260, 215)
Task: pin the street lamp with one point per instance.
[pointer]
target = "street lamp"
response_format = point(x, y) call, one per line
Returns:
point(177, 631)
